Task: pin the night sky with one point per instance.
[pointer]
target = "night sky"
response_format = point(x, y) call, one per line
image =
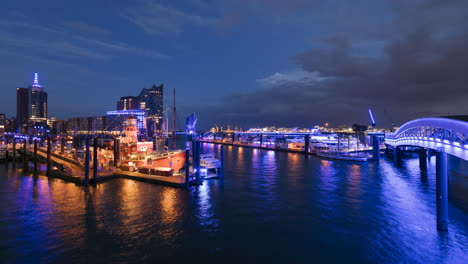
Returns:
point(242, 62)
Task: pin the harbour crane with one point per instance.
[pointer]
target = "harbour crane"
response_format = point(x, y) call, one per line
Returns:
point(372, 118)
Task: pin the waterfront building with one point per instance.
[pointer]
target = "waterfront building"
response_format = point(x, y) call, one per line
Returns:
point(86, 125)
point(58, 127)
point(31, 105)
point(151, 101)
point(128, 103)
point(116, 119)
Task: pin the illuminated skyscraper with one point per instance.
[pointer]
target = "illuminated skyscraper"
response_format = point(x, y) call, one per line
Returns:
point(31, 105)
point(151, 101)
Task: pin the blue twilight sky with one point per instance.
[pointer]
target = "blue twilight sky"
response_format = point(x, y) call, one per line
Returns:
point(242, 62)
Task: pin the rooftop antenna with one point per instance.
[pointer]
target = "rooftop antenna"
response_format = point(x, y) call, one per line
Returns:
point(36, 80)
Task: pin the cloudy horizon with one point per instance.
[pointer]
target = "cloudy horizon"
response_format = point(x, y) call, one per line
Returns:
point(293, 63)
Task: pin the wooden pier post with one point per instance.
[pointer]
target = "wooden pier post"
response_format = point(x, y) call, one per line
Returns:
point(87, 156)
point(23, 154)
point(116, 152)
point(62, 146)
point(187, 168)
point(95, 159)
point(222, 161)
point(49, 147)
point(35, 156)
point(14, 149)
point(196, 155)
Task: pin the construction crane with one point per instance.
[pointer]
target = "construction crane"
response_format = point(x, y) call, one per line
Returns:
point(372, 118)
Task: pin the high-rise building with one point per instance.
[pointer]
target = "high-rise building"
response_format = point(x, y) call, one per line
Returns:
point(128, 103)
point(151, 101)
point(31, 105)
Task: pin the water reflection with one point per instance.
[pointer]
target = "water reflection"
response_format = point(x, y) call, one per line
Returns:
point(353, 186)
point(327, 176)
point(275, 204)
point(206, 211)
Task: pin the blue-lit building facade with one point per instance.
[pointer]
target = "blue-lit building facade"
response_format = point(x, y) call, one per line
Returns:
point(115, 120)
point(151, 101)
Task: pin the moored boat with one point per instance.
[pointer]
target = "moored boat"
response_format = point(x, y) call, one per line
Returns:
point(342, 155)
point(209, 166)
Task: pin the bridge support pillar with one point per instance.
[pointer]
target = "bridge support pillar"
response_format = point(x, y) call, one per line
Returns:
point(422, 159)
point(376, 148)
point(307, 144)
point(261, 140)
point(233, 137)
point(442, 190)
point(396, 154)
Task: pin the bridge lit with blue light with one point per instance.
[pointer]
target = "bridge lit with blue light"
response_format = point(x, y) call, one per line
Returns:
point(445, 135)
point(433, 133)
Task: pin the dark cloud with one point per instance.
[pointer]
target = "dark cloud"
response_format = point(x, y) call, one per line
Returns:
point(420, 69)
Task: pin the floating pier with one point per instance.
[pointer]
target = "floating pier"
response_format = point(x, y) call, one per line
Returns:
point(72, 170)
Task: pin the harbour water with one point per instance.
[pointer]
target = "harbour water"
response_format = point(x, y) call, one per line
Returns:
point(271, 207)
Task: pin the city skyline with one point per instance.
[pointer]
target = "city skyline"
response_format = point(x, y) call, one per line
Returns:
point(249, 64)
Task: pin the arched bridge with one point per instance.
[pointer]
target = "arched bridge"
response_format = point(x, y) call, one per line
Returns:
point(446, 135)
point(451, 134)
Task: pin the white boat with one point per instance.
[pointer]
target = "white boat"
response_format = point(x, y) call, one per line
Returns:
point(210, 167)
point(342, 155)
point(318, 146)
point(209, 161)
